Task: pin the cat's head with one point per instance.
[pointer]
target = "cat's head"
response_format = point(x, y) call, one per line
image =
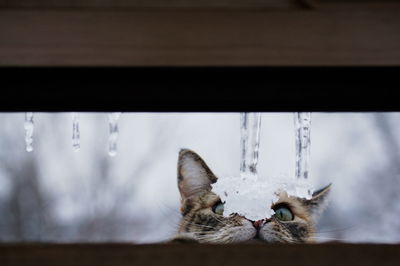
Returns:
point(202, 219)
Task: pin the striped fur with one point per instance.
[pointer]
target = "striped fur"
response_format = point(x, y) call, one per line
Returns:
point(200, 224)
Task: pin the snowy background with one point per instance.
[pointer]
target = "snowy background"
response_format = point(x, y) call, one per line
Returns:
point(57, 194)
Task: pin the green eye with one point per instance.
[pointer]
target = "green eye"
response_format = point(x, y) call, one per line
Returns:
point(219, 208)
point(283, 214)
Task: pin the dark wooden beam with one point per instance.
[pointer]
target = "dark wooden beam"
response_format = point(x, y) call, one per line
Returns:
point(201, 255)
point(148, 3)
point(333, 34)
point(200, 89)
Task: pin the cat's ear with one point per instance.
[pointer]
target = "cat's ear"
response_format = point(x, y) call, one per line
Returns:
point(318, 202)
point(194, 176)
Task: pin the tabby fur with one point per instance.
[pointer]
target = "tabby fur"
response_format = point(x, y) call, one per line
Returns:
point(201, 224)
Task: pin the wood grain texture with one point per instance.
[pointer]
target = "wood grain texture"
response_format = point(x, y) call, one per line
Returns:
point(146, 3)
point(333, 35)
point(202, 255)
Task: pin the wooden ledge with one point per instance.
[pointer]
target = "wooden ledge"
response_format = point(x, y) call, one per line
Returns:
point(195, 254)
point(333, 34)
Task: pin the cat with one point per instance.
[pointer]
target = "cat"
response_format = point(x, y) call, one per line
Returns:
point(202, 220)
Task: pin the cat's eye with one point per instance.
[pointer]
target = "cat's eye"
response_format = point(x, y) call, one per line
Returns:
point(284, 214)
point(218, 208)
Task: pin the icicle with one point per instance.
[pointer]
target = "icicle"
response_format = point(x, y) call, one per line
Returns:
point(302, 123)
point(252, 197)
point(76, 142)
point(250, 143)
point(29, 126)
point(112, 140)
point(248, 195)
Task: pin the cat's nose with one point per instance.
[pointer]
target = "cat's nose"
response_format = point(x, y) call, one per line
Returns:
point(257, 224)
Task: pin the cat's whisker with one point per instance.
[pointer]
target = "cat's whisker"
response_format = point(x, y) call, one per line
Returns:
point(207, 239)
point(201, 226)
point(201, 208)
point(221, 221)
point(198, 225)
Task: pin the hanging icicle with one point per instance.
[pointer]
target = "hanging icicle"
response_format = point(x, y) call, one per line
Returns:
point(76, 142)
point(250, 143)
point(247, 195)
point(302, 125)
point(251, 196)
point(112, 140)
point(29, 127)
